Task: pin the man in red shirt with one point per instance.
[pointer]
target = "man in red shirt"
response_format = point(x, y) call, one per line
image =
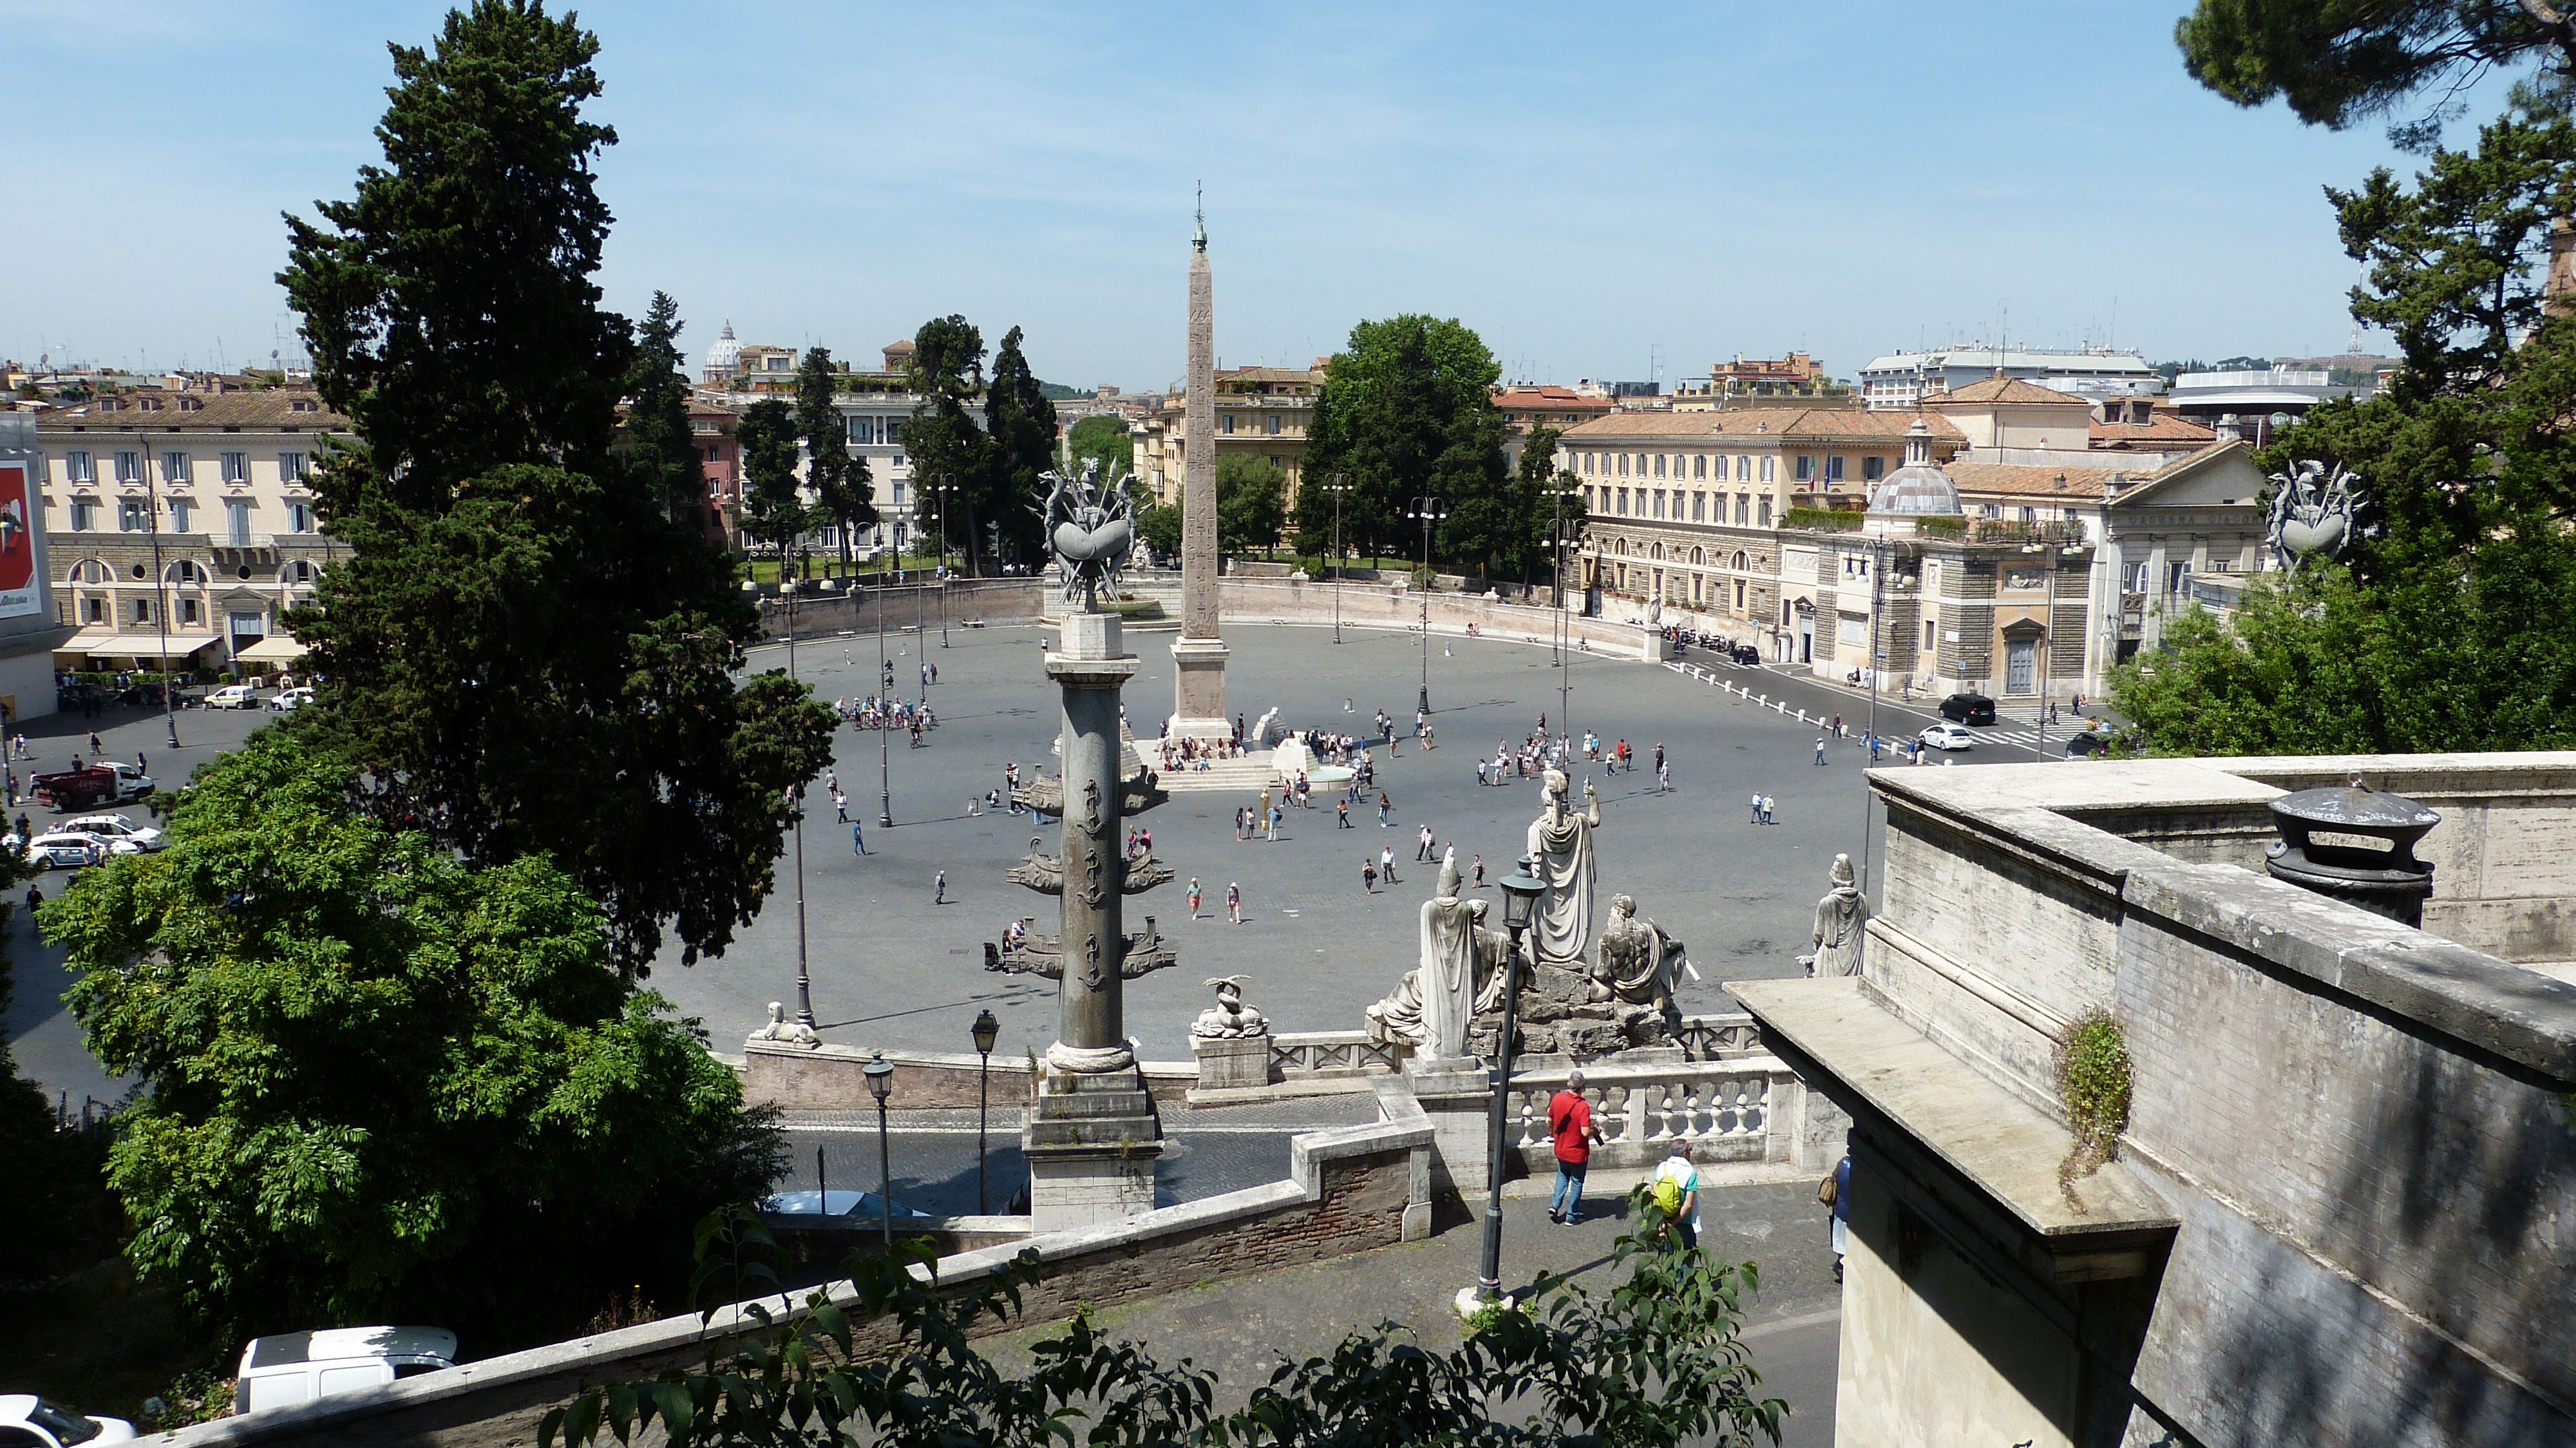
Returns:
point(1569, 1120)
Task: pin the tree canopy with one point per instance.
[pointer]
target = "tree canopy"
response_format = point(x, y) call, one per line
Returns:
point(522, 649)
point(379, 1083)
point(1102, 438)
point(837, 477)
point(1019, 423)
point(2338, 61)
point(659, 444)
point(950, 454)
point(1251, 502)
point(1406, 411)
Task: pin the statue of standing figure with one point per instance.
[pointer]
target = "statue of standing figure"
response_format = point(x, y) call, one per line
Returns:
point(1448, 967)
point(1560, 851)
point(1841, 918)
point(1639, 962)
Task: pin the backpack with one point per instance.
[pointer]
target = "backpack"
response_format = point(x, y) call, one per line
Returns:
point(1668, 1195)
point(1825, 1191)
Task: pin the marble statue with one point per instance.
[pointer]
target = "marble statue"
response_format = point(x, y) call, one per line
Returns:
point(1560, 851)
point(784, 1032)
point(1447, 967)
point(1639, 963)
point(1840, 918)
point(1229, 1018)
point(1493, 959)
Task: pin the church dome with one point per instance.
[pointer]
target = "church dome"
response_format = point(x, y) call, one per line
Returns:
point(724, 359)
point(1919, 488)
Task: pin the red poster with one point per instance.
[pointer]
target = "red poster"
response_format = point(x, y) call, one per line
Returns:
point(18, 591)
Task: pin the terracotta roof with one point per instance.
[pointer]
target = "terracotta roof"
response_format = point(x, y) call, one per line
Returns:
point(1804, 424)
point(2165, 428)
point(2010, 391)
point(262, 411)
point(1267, 374)
point(2013, 480)
point(1557, 397)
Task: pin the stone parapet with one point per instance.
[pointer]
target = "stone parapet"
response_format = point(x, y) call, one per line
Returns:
point(827, 1078)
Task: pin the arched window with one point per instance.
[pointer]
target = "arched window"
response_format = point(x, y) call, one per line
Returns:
point(186, 572)
point(1699, 555)
point(89, 570)
point(1659, 553)
point(1739, 560)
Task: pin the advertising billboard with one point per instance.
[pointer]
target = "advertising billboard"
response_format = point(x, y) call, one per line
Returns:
point(20, 591)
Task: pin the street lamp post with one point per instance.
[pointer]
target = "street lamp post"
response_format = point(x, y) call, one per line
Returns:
point(1427, 510)
point(880, 1074)
point(1340, 484)
point(1521, 890)
point(986, 1031)
point(804, 978)
point(885, 698)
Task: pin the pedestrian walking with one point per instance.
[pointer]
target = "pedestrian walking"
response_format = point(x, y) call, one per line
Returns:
point(1675, 1190)
point(1569, 1122)
point(1625, 758)
point(1663, 778)
point(1422, 844)
point(1659, 756)
point(1344, 813)
point(35, 897)
point(1766, 809)
point(1386, 864)
point(1480, 872)
point(138, 762)
point(939, 889)
point(1383, 805)
point(1835, 1193)
point(841, 806)
point(1820, 749)
point(94, 746)
point(1234, 902)
point(1368, 874)
point(1757, 809)
point(1194, 897)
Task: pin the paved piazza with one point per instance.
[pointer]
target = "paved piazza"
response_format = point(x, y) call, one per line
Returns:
point(892, 969)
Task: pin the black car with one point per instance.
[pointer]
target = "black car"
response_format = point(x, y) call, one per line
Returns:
point(1748, 655)
point(1968, 709)
point(2086, 745)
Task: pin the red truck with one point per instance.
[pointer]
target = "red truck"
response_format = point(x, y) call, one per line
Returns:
point(107, 782)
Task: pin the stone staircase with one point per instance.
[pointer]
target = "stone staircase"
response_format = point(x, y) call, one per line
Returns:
point(1246, 776)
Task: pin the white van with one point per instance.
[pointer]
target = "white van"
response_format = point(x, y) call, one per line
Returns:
point(233, 696)
point(297, 1367)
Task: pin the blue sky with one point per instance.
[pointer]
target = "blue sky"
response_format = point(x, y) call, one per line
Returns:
point(1592, 188)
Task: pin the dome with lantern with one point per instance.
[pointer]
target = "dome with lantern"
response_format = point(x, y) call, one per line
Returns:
point(724, 359)
point(1918, 489)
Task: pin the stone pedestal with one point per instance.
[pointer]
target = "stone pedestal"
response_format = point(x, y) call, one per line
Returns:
point(1199, 689)
point(1091, 1141)
point(1231, 1062)
point(1457, 1094)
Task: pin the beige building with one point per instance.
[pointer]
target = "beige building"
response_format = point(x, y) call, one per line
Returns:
point(1261, 412)
point(1687, 506)
point(180, 525)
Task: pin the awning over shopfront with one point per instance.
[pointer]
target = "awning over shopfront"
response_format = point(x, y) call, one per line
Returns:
point(279, 649)
point(107, 643)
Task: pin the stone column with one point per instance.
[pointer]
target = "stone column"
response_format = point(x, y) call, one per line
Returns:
point(1199, 655)
point(1093, 1134)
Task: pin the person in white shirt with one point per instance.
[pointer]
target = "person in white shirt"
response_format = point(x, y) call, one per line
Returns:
point(1677, 1169)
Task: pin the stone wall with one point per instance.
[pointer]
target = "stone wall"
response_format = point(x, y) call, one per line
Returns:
point(1261, 600)
point(957, 603)
point(1348, 1190)
point(826, 1078)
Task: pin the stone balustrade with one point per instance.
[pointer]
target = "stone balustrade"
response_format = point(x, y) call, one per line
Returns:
point(1719, 1038)
point(1326, 1054)
point(1744, 1109)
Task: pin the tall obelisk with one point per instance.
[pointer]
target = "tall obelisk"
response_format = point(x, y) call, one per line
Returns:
point(1199, 655)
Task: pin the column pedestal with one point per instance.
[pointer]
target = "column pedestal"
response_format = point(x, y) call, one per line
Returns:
point(1457, 1093)
point(1091, 1141)
point(1199, 689)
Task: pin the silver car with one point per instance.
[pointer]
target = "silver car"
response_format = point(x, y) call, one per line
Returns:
point(116, 829)
point(1948, 736)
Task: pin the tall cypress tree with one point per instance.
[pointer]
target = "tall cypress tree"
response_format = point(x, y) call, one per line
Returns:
point(658, 441)
point(837, 477)
point(1021, 423)
point(524, 653)
point(950, 454)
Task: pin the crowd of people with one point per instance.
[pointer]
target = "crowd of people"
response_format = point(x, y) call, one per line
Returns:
point(912, 716)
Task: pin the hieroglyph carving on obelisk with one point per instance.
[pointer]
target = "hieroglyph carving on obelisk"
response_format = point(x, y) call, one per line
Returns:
point(1199, 654)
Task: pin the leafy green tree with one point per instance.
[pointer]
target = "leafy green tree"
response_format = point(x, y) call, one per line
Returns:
point(1102, 438)
point(523, 649)
point(659, 443)
point(1251, 502)
point(380, 1083)
point(1019, 423)
point(1544, 499)
point(1657, 1360)
point(2338, 61)
point(950, 454)
point(773, 499)
point(1160, 528)
point(2444, 628)
point(1407, 410)
point(837, 477)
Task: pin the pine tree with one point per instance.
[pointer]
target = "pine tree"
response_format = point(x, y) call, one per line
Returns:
point(837, 477)
point(950, 454)
point(1021, 423)
point(523, 652)
point(658, 441)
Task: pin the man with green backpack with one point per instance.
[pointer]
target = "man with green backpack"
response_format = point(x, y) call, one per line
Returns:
point(1674, 1189)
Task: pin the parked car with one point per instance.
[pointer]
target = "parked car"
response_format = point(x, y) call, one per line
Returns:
point(1748, 655)
point(233, 696)
point(35, 1422)
point(66, 850)
point(861, 1205)
point(110, 781)
point(297, 1367)
point(1968, 709)
point(288, 699)
point(2086, 745)
point(1948, 736)
point(115, 828)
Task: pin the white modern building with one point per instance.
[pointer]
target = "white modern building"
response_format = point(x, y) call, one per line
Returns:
point(1900, 380)
point(2245, 404)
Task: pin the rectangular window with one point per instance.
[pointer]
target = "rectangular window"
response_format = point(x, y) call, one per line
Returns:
point(1699, 466)
point(248, 627)
point(1659, 500)
point(299, 518)
point(290, 467)
point(1699, 506)
point(1623, 497)
point(1927, 635)
point(187, 610)
point(133, 516)
point(1806, 466)
point(142, 610)
point(174, 467)
point(178, 515)
point(237, 521)
point(236, 467)
point(129, 467)
point(1226, 423)
point(898, 494)
point(894, 434)
point(1743, 509)
point(81, 514)
point(1766, 468)
point(1743, 468)
point(2030, 515)
point(93, 610)
point(1659, 465)
point(1872, 469)
point(1834, 468)
point(1765, 519)
point(1623, 465)
point(1274, 424)
point(77, 468)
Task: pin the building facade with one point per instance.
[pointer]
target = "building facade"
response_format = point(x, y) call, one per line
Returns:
point(1900, 380)
point(1261, 412)
point(180, 526)
point(28, 628)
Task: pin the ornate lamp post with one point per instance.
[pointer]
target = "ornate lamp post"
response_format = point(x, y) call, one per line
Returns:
point(1427, 511)
point(880, 1074)
point(1521, 890)
point(986, 1030)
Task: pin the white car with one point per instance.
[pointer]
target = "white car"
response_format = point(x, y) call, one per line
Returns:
point(297, 1367)
point(233, 696)
point(1948, 736)
point(114, 828)
point(289, 699)
point(28, 1419)
point(67, 850)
